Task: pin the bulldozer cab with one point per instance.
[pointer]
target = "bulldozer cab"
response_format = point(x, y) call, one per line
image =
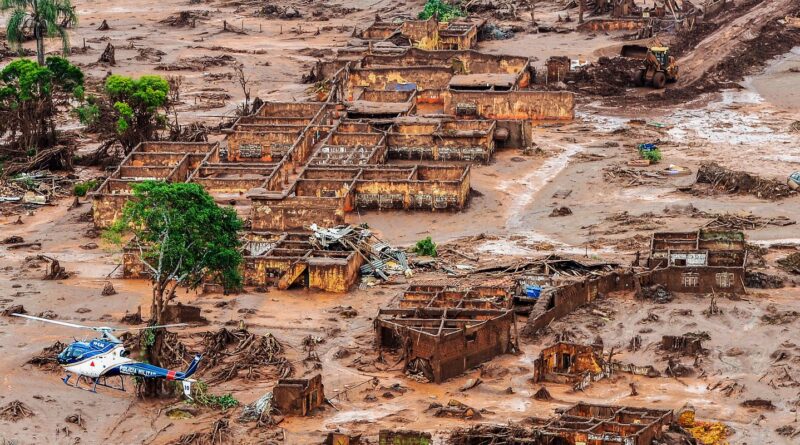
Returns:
point(661, 54)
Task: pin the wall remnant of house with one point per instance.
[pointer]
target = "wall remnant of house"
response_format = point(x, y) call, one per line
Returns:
point(566, 362)
point(702, 261)
point(688, 344)
point(443, 343)
point(298, 397)
point(404, 437)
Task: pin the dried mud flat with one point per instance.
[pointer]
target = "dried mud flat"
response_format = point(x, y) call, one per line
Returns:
point(753, 347)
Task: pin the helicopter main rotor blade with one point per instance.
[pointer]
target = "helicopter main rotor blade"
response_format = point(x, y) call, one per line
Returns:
point(62, 323)
point(152, 327)
point(99, 328)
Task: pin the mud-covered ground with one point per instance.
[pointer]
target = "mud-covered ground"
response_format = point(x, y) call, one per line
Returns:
point(745, 129)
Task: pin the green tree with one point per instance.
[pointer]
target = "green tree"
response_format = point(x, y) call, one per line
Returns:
point(443, 12)
point(132, 110)
point(30, 97)
point(183, 238)
point(42, 18)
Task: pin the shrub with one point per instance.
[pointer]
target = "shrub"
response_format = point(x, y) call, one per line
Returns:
point(82, 188)
point(203, 398)
point(444, 12)
point(425, 247)
point(651, 155)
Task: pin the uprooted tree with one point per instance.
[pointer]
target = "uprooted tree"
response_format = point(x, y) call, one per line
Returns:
point(30, 99)
point(183, 238)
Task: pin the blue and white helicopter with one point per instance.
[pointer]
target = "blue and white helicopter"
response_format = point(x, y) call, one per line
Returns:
point(105, 357)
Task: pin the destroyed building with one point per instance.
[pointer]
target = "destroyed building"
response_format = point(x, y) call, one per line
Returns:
point(286, 259)
point(607, 425)
point(630, 15)
point(703, 261)
point(292, 165)
point(443, 296)
point(568, 363)
point(441, 343)
point(327, 259)
point(580, 424)
point(298, 397)
point(164, 161)
point(581, 365)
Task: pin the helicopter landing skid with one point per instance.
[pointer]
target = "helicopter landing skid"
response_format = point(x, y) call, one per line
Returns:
point(95, 382)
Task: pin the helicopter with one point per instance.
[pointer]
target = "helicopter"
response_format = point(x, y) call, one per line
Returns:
point(104, 357)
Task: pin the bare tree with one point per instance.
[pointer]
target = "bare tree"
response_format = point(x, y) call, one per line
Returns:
point(244, 83)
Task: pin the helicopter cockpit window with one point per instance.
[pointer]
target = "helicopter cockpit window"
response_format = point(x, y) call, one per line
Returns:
point(72, 352)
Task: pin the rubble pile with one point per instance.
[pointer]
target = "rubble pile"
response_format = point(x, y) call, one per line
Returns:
point(14, 411)
point(454, 408)
point(774, 39)
point(201, 63)
point(607, 77)
point(791, 263)
point(25, 191)
point(229, 353)
point(47, 360)
point(382, 260)
point(185, 19)
point(728, 221)
point(630, 177)
point(739, 182)
point(760, 280)
point(219, 433)
point(495, 434)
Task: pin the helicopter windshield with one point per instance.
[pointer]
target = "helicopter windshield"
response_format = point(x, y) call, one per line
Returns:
point(72, 353)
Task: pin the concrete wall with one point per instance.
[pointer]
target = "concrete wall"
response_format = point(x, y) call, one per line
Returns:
point(107, 208)
point(708, 279)
point(296, 212)
point(259, 146)
point(515, 105)
point(404, 437)
point(562, 300)
point(298, 396)
point(422, 78)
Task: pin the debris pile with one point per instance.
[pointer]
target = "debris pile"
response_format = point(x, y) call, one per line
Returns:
point(381, 259)
point(30, 190)
point(542, 394)
point(493, 434)
point(739, 182)
point(230, 352)
point(658, 293)
point(630, 177)
point(454, 408)
point(15, 411)
point(260, 411)
point(561, 211)
point(200, 63)
point(760, 280)
point(47, 360)
point(185, 18)
point(15, 309)
point(791, 263)
point(729, 221)
point(275, 11)
point(219, 433)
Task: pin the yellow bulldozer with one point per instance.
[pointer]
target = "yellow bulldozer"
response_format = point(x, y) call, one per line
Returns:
point(658, 67)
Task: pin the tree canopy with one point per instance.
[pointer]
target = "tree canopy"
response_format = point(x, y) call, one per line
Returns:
point(41, 18)
point(183, 237)
point(131, 110)
point(444, 12)
point(30, 96)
